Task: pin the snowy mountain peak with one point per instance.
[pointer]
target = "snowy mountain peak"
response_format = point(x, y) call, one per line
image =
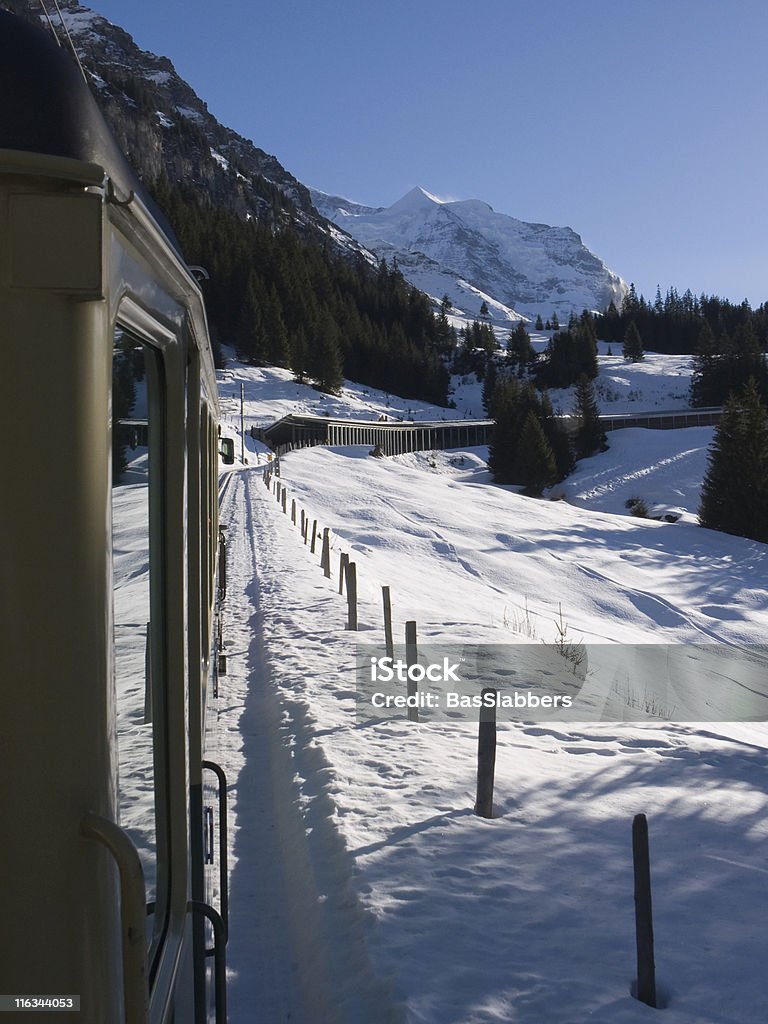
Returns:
point(465, 249)
point(418, 198)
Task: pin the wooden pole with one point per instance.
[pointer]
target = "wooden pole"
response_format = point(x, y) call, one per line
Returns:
point(285, 501)
point(293, 511)
point(343, 563)
point(351, 595)
point(314, 536)
point(411, 658)
point(646, 967)
point(388, 641)
point(325, 557)
point(486, 756)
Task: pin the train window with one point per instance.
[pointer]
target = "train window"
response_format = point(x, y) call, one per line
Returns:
point(136, 477)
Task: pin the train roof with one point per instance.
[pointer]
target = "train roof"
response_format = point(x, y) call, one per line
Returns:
point(48, 109)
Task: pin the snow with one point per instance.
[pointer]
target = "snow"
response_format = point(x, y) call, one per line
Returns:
point(131, 614)
point(220, 160)
point(362, 885)
point(189, 113)
point(663, 467)
point(269, 393)
point(657, 383)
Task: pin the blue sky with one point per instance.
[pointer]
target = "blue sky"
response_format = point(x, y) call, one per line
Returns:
point(639, 123)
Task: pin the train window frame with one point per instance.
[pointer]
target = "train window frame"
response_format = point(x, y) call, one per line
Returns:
point(156, 704)
point(168, 615)
point(129, 746)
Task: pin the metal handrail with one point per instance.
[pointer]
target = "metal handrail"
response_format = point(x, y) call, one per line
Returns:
point(132, 913)
point(218, 771)
point(219, 956)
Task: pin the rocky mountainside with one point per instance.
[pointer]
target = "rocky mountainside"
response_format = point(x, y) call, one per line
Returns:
point(473, 254)
point(463, 249)
point(165, 129)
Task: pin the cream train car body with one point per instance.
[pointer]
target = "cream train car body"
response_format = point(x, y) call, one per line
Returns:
point(93, 907)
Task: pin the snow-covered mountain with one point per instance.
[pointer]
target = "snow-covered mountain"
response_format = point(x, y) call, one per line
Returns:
point(473, 254)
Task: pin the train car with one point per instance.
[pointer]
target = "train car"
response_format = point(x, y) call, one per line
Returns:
point(109, 574)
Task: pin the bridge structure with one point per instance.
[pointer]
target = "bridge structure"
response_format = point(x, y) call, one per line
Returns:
point(394, 437)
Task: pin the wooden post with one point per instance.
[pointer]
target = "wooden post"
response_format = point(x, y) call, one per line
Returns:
point(388, 641)
point(325, 557)
point(304, 525)
point(351, 595)
point(411, 658)
point(293, 511)
point(285, 500)
point(343, 563)
point(486, 756)
point(646, 967)
point(314, 536)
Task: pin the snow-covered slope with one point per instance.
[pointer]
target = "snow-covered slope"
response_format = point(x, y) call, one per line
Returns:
point(420, 912)
point(472, 253)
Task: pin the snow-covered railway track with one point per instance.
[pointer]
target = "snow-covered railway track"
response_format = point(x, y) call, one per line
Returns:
point(292, 919)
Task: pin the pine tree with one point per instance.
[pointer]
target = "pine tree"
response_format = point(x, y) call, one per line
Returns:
point(589, 436)
point(630, 303)
point(505, 409)
point(734, 495)
point(489, 384)
point(704, 383)
point(633, 344)
point(278, 348)
point(520, 352)
point(327, 369)
point(556, 433)
point(298, 347)
point(585, 338)
point(535, 465)
point(250, 337)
